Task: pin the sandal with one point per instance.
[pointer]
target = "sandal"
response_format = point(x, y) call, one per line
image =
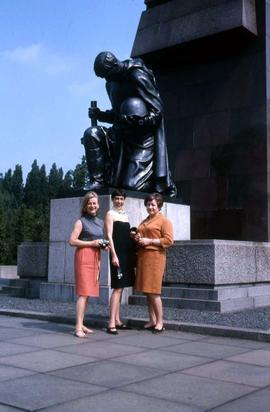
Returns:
point(150, 327)
point(80, 333)
point(87, 330)
point(112, 331)
point(156, 331)
point(123, 326)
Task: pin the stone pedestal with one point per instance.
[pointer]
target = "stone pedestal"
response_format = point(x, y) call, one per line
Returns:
point(64, 212)
point(32, 260)
point(219, 275)
point(8, 272)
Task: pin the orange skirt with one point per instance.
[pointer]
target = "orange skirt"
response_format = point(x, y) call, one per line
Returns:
point(87, 265)
point(150, 270)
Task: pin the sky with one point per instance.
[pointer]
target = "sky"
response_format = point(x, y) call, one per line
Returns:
point(47, 50)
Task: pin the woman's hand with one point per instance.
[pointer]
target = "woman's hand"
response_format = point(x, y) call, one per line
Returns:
point(145, 241)
point(115, 261)
point(97, 243)
point(137, 237)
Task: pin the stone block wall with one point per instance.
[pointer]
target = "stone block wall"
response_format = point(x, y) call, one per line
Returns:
point(212, 65)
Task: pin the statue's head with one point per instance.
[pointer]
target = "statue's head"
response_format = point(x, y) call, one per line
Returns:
point(107, 65)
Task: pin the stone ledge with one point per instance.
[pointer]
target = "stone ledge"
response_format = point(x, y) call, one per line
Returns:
point(178, 22)
point(218, 262)
point(8, 272)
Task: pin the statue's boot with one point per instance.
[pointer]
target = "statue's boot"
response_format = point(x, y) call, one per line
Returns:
point(166, 186)
point(93, 141)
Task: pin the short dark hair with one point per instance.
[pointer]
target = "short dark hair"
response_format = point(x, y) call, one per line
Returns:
point(89, 195)
point(154, 196)
point(118, 192)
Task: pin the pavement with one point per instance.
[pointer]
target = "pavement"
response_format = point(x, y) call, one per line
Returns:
point(44, 367)
point(247, 324)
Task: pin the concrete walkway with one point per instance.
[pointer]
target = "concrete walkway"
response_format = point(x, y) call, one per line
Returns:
point(44, 367)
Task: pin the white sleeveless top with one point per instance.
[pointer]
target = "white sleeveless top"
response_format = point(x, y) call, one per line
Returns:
point(119, 215)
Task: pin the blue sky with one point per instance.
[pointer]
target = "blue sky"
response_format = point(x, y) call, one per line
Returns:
point(47, 51)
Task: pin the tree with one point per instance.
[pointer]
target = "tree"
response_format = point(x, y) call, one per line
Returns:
point(4, 249)
point(17, 185)
point(55, 181)
point(24, 210)
point(36, 187)
point(80, 176)
point(43, 188)
point(67, 187)
point(7, 181)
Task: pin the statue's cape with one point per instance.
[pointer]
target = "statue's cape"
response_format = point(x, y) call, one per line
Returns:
point(147, 89)
point(142, 81)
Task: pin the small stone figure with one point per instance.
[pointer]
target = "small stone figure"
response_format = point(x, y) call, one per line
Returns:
point(132, 154)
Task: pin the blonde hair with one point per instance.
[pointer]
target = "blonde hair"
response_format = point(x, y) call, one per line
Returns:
point(89, 195)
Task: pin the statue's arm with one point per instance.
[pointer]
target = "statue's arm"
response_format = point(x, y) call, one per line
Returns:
point(106, 116)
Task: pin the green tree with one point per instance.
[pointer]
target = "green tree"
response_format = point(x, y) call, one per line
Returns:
point(24, 210)
point(80, 175)
point(55, 181)
point(4, 249)
point(43, 188)
point(67, 186)
point(7, 181)
point(17, 185)
point(36, 187)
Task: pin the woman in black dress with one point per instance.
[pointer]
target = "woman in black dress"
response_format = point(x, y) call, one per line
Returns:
point(122, 257)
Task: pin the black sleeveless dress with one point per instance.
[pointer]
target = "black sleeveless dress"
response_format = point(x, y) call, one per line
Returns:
point(125, 249)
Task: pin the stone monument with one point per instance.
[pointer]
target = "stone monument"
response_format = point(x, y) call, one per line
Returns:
point(212, 65)
point(211, 60)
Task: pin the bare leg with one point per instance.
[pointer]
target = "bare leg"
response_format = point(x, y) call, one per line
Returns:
point(114, 307)
point(158, 310)
point(80, 312)
point(152, 315)
point(117, 316)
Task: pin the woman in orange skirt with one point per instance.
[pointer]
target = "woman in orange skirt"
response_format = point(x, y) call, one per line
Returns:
point(154, 235)
point(87, 236)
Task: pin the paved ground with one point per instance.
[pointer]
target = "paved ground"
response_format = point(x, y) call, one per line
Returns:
point(258, 318)
point(248, 324)
point(43, 367)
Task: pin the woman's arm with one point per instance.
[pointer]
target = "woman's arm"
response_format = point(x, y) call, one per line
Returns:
point(166, 239)
point(108, 222)
point(75, 241)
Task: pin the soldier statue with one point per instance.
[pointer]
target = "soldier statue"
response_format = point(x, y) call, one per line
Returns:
point(132, 154)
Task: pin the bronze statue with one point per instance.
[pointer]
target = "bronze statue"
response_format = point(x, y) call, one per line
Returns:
point(131, 154)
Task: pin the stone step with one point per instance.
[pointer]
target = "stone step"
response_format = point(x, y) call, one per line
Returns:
point(14, 282)
point(228, 305)
point(15, 291)
point(194, 293)
point(179, 303)
point(221, 293)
